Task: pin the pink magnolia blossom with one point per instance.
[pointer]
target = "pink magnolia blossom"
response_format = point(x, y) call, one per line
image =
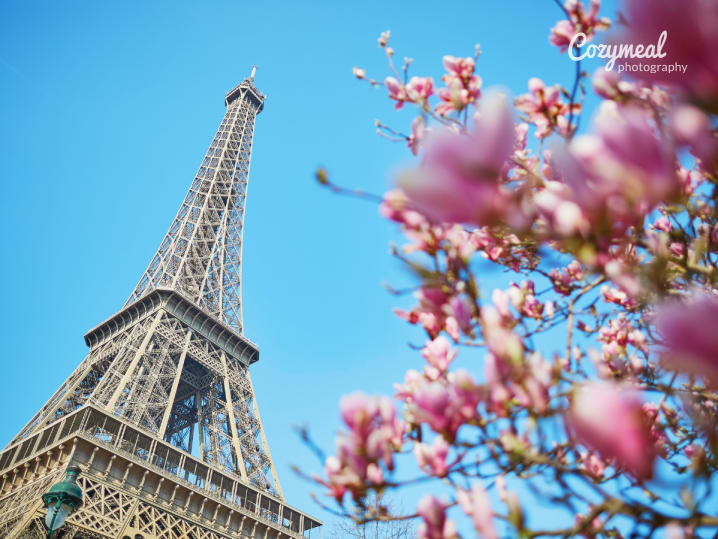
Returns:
point(560, 214)
point(565, 280)
point(693, 451)
point(397, 91)
point(692, 127)
point(561, 34)
point(581, 21)
point(544, 108)
point(439, 354)
point(432, 402)
point(445, 404)
point(438, 310)
point(689, 335)
point(358, 72)
point(462, 68)
point(619, 297)
point(429, 311)
point(524, 300)
point(459, 179)
point(413, 381)
point(477, 505)
point(617, 334)
point(375, 474)
point(593, 464)
point(435, 524)
point(691, 40)
point(395, 206)
point(663, 224)
point(500, 339)
point(620, 173)
point(418, 129)
point(462, 86)
point(432, 458)
point(675, 531)
point(624, 437)
point(461, 309)
point(374, 435)
point(527, 384)
point(419, 89)
point(609, 85)
point(657, 431)
point(462, 243)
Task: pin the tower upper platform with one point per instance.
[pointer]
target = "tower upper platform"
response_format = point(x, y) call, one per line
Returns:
point(248, 88)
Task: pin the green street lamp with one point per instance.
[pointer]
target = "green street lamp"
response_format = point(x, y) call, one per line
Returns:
point(62, 499)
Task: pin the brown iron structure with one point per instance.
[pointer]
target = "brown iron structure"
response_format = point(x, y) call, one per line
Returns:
point(161, 415)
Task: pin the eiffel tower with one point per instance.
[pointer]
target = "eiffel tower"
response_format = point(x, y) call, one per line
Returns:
point(161, 415)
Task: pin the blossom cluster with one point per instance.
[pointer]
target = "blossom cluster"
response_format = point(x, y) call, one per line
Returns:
point(595, 368)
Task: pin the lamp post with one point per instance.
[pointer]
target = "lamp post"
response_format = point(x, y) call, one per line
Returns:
point(62, 499)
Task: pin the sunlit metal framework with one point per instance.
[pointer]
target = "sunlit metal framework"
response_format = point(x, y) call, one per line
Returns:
point(161, 415)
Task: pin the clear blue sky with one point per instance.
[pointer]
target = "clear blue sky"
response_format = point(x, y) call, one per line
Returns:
point(107, 109)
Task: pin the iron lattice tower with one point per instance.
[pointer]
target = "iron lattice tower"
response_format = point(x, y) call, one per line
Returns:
point(161, 415)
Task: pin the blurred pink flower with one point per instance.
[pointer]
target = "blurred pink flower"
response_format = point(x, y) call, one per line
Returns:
point(693, 451)
point(462, 68)
point(413, 380)
point(663, 223)
point(420, 89)
point(656, 428)
point(477, 505)
point(459, 179)
point(544, 108)
point(499, 337)
point(692, 127)
point(444, 404)
point(431, 312)
point(581, 21)
point(418, 129)
point(523, 383)
point(559, 213)
point(691, 40)
point(432, 458)
point(395, 206)
point(593, 465)
point(619, 297)
point(397, 91)
point(561, 34)
point(689, 335)
point(375, 433)
point(609, 85)
point(375, 474)
point(565, 280)
point(619, 173)
point(625, 437)
point(462, 86)
point(439, 354)
point(435, 525)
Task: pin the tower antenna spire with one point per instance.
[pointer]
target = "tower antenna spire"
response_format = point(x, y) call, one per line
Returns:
point(254, 71)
